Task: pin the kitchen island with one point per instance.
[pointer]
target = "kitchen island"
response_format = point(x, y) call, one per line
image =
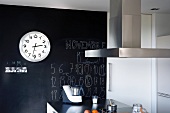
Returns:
point(88, 105)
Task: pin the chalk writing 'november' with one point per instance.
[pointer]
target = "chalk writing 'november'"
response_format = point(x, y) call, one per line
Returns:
point(74, 44)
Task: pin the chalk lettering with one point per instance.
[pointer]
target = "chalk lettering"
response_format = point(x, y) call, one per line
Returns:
point(13, 62)
point(73, 81)
point(62, 81)
point(60, 69)
point(96, 69)
point(79, 69)
point(95, 80)
point(74, 44)
point(68, 44)
point(102, 81)
point(103, 44)
point(87, 69)
point(53, 81)
point(19, 64)
point(102, 92)
point(72, 67)
point(60, 97)
point(81, 81)
point(88, 94)
point(95, 91)
point(102, 70)
point(78, 57)
point(54, 94)
point(53, 69)
point(88, 81)
point(69, 80)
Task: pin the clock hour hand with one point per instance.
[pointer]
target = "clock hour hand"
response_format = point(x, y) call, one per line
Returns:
point(35, 47)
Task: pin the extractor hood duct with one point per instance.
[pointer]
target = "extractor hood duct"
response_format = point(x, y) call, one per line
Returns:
point(125, 33)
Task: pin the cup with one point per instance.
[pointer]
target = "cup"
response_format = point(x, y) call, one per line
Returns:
point(94, 99)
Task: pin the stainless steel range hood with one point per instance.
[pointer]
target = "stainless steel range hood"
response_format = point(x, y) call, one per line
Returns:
point(125, 33)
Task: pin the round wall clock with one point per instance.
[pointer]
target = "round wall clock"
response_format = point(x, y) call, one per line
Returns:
point(34, 46)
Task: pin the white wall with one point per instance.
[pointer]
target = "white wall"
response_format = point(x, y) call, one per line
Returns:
point(130, 78)
point(162, 24)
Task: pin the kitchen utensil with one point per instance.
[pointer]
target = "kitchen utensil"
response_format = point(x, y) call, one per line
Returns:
point(112, 108)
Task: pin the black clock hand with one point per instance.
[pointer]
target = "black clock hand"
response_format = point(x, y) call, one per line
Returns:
point(37, 46)
point(34, 48)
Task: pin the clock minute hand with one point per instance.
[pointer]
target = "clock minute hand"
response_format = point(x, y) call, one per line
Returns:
point(37, 45)
point(34, 48)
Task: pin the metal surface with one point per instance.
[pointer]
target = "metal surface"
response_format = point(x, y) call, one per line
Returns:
point(125, 24)
point(112, 108)
point(125, 33)
point(110, 75)
point(129, 53)
point(75, 91)
point(115, 26)
point(163, 95)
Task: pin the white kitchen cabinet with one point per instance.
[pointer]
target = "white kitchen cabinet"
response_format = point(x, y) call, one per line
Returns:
point(163, 104)
point(163, 76)
point(163, 66)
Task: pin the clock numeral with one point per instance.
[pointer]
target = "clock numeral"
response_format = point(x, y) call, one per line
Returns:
point(29, 54)
point(39, 54)
point(43, 41)
point(26, 51)
point(24, 45)
point(27, 41)
point(40, 37)
point(30, 37)
point(45, 46)
point(43, 51)
point(34, 56)
point(35, 36)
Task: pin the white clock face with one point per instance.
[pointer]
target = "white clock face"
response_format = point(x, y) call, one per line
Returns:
point(34, 46)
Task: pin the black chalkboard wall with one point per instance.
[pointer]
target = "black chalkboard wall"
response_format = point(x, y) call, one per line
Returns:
point(70, 32)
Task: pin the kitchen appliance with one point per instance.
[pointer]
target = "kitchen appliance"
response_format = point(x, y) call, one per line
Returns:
point(72, 94)
point(50, 109)
point(112, 108)
point(125, 33)
point(76, 90)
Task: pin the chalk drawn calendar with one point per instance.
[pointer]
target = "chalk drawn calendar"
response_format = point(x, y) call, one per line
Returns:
point(26, 87)
point(75, 69)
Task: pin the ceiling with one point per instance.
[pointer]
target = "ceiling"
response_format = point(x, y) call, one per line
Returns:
point(94, 5)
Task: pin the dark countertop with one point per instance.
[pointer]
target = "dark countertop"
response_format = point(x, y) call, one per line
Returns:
point(87, 104)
